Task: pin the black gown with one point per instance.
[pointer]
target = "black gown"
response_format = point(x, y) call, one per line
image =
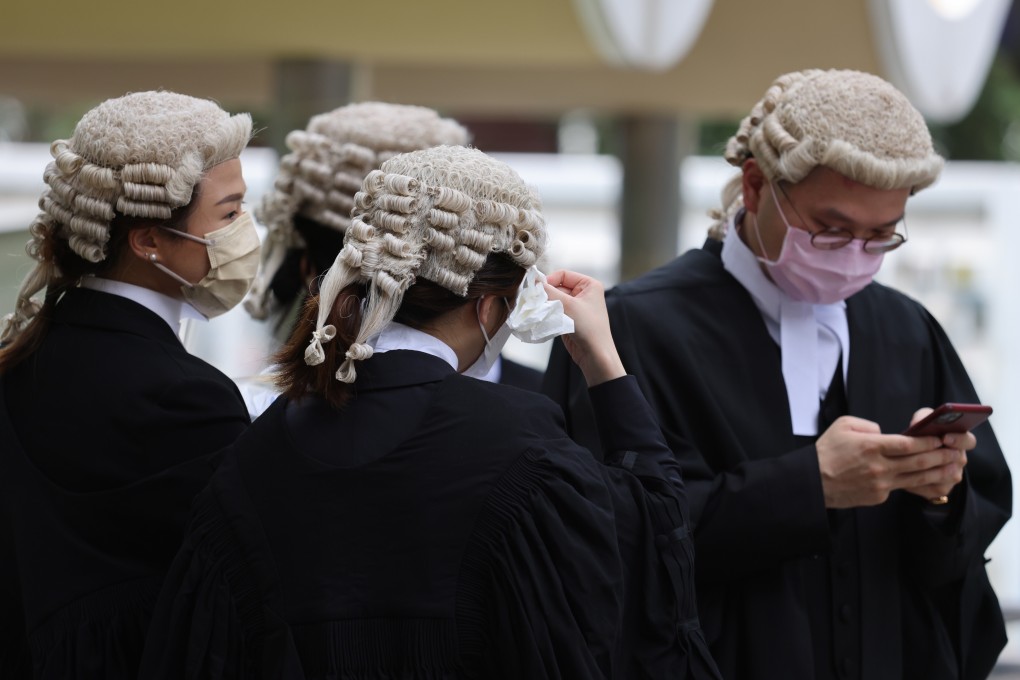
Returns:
point(519, 375)
point(438, 527)
point(897, 590)
point(106, 435)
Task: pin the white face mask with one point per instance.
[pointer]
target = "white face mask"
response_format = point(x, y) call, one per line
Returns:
point(234, 261)
point(493, 346)
point(534, 318)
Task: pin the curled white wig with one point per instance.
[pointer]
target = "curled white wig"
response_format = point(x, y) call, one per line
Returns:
point(325, 168)
point(140, 155)
point(435, 214)
point(851, 122)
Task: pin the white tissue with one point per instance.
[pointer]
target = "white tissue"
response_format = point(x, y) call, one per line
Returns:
point(535, 318)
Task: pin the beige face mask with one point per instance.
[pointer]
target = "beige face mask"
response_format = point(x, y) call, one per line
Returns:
point(234, 259)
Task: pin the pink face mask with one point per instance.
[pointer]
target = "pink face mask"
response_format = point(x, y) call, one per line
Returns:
point(814, 275)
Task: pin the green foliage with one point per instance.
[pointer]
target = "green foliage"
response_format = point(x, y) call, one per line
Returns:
point(713, 135)
point(991, 131)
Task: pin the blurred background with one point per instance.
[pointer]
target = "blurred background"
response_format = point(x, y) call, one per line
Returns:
point(615, 110)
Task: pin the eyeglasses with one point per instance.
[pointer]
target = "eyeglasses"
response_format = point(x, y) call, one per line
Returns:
point(834, 239)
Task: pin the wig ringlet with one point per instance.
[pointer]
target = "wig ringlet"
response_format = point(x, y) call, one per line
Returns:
point(435, 214)
point(325, 168)
point(851, 122)
point(140, 155)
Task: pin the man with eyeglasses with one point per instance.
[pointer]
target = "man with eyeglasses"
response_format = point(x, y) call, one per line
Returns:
point(827, 545)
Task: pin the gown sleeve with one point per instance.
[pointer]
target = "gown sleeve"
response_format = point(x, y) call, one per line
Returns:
point(210, 621)
point(15, 662)
point(762, 512)
point(196, 630)
point(584, 570)
point(941, 549)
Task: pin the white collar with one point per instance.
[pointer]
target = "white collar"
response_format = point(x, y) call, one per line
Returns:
point(495, 373)
point(812, 338)
point(398, 336)
point(171, 310)
point(259, 393)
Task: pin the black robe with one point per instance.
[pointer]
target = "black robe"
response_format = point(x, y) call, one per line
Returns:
point(903, 590)
point(437, 527)
point(519, 375)
point(106, 433)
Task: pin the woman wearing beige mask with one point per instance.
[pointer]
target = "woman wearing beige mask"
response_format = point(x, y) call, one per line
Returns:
point(107, 424)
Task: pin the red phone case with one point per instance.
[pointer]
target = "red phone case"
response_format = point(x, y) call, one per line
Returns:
point(950, 418)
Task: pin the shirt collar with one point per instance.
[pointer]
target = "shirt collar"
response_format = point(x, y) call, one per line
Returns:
point(398, 336)
point(812, 338)
point(495, 373)
point(171, 310)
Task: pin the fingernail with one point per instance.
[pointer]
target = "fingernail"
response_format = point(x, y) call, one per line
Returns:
point(949, 440)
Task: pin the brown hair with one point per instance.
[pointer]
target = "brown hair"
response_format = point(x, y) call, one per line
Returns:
point(71, 268)
point(423, 303)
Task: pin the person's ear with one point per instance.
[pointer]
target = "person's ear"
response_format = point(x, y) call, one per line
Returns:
point(493, 311)
point(143, 242)
point(752, 182)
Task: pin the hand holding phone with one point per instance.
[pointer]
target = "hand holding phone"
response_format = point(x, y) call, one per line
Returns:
point(950, 418)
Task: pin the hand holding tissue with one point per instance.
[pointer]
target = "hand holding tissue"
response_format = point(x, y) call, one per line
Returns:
point(535, 318)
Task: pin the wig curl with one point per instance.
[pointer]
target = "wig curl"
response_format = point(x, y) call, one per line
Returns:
point(325, 168)
point(140, 155)
point(851, 122)
point(434, 214)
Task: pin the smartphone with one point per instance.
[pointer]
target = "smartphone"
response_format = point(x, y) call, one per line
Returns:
point(950, 418)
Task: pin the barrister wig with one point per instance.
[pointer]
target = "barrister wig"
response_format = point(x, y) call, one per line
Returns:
point(140, 155)
point(435, 214)
point(326, 165)
point(851, 122)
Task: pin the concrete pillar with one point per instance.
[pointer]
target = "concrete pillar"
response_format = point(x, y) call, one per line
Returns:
point(651, 150)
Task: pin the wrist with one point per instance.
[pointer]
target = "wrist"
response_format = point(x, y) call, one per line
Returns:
point(602, 367)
